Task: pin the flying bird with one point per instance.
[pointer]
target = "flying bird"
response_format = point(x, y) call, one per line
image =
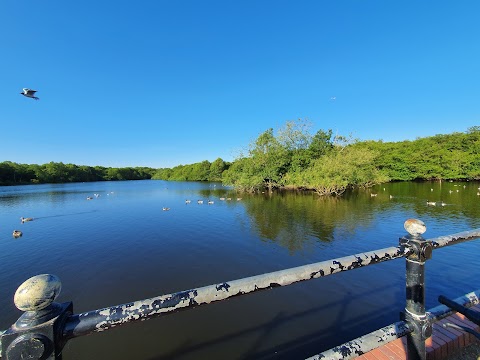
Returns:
point(29, 93)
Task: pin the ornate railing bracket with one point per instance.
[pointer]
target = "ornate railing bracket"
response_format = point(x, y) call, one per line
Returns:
point(38, 333)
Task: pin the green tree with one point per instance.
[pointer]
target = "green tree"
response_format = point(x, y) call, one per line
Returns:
point(342, 168)
point(216, 169)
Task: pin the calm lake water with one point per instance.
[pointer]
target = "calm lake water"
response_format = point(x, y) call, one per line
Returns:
point(120, 247)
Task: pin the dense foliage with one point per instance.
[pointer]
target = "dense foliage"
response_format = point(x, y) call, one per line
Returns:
point(327, 164)
point(12, 173)
point(202, 171)
point(451, 156)
point(294, 158)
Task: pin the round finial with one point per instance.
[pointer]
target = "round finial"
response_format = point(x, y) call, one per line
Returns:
point(415, 227)
point(37, 293)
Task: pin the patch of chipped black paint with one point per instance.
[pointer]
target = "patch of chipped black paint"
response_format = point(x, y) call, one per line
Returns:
point(356, 264)
point(103, 326)
point(223, 287)
point(157, 304)
point(343, 350)
point(340, 266)
point(192, 302)
point(387, 256)
point(179, 297)
point(315, 273)
point(380, 339)
point(375, 259)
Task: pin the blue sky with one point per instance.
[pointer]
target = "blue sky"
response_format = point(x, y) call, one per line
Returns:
point(161, 83)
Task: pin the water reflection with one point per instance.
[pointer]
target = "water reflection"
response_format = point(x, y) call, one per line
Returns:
point(297, 220)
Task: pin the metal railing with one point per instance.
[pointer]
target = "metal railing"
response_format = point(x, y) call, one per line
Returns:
point(45, 327)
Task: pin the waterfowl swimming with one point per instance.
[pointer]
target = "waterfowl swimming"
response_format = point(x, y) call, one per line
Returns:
point(188, 201)
point(433, 203)
point(29, 93)
point(165, 209)
point(17, 233)
point(199, 201)
point(89, 198)
point(210, 202)
point(222, 198)
point(26, 219)
point(373, 195)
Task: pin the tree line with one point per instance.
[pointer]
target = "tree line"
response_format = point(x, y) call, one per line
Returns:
point(57, 172)
point(294, 158)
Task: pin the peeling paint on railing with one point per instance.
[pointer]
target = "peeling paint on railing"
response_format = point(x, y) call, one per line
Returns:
point(104, 319)
point(455, 238)
point(365, 343)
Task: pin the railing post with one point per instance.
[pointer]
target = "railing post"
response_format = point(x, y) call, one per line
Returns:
point(38, 333)
point(418, 251)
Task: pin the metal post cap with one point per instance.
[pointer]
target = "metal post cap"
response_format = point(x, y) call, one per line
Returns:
point(37, 293)
point(415, 227)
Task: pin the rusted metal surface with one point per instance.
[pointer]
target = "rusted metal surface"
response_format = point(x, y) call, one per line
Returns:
point(455, 238)
point(365, 343)
point(107, 318)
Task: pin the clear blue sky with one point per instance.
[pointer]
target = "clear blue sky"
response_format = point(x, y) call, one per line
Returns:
point(161, 83)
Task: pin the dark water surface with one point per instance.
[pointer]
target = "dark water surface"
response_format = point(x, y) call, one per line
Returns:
point(120, 247)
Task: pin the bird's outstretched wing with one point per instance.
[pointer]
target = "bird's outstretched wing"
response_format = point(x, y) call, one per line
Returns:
point(29, 93)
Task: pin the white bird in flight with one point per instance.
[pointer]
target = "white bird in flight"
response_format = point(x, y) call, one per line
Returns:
point(29, 93)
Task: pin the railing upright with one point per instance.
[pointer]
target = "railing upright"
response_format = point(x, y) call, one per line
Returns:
point(418, 251)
